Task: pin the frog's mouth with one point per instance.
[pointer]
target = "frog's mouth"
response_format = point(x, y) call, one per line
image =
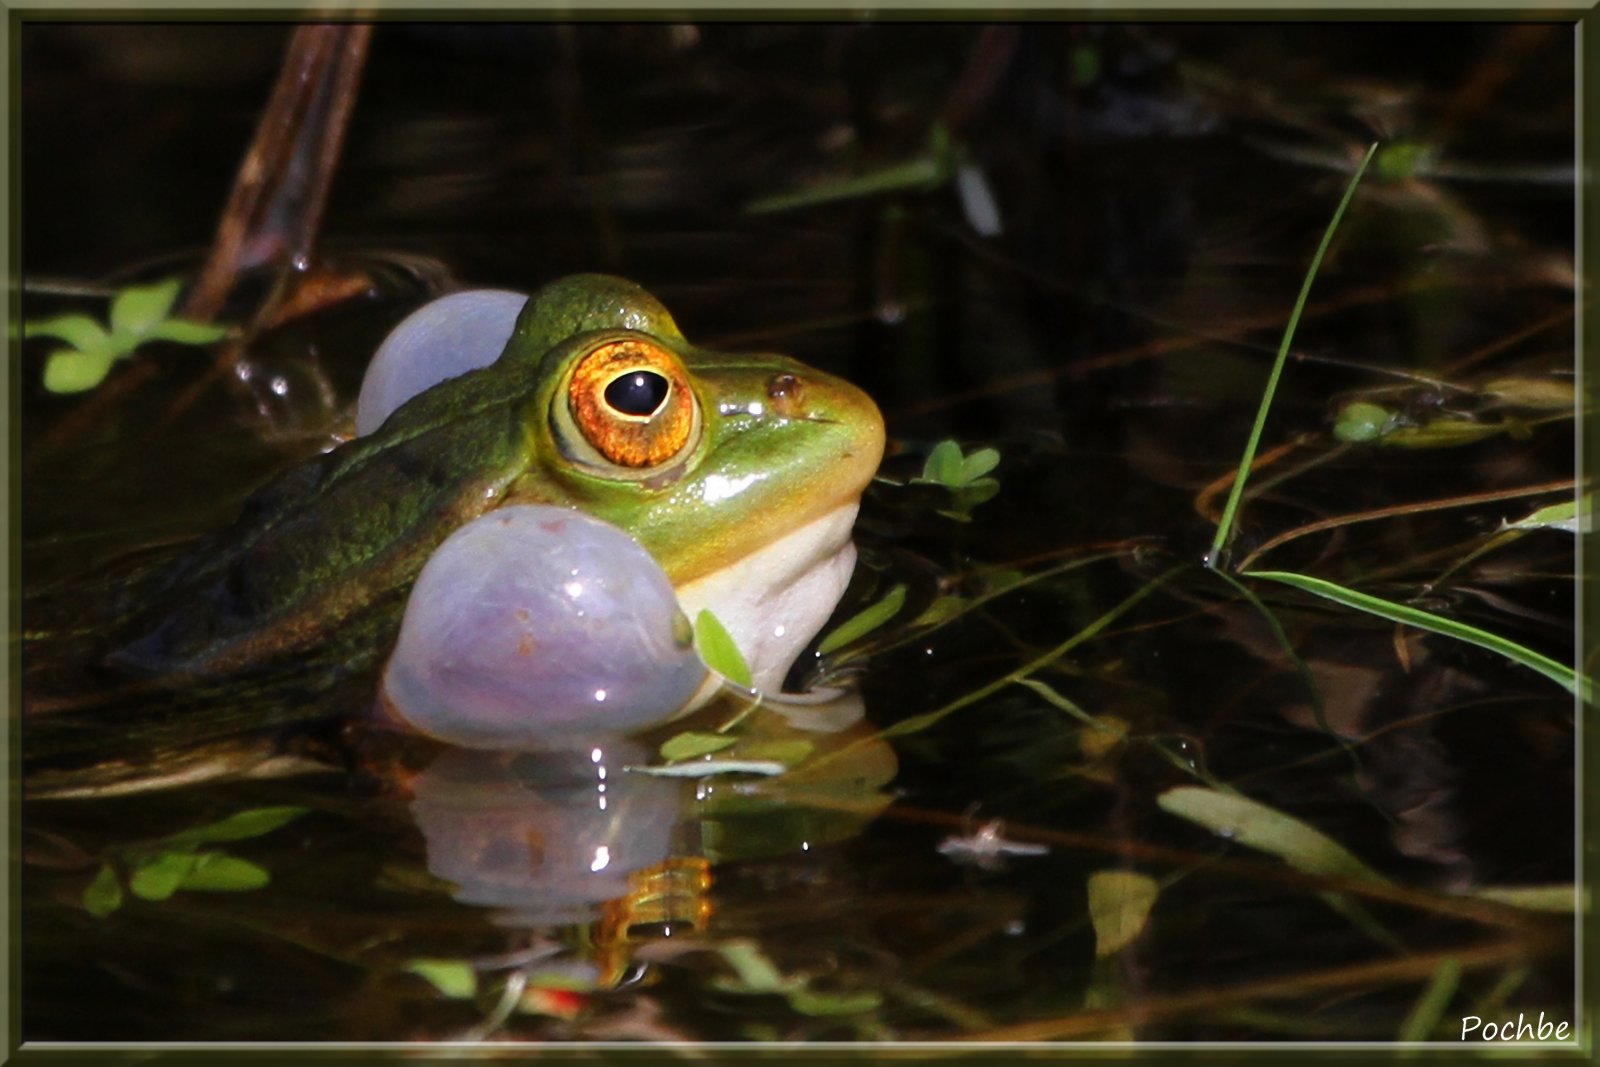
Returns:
point(775, 599)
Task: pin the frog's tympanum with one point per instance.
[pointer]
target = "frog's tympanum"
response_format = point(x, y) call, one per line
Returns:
point(740, 475)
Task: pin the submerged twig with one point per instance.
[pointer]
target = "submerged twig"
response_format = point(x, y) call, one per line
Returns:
point(275, 209)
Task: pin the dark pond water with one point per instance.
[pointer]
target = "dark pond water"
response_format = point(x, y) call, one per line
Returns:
point(1099, 792)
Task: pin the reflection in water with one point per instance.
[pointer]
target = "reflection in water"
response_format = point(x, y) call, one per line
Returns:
point(544, 838)
point(582, 851)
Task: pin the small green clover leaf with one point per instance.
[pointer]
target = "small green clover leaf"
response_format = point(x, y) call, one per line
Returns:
point(160, 867)
point(240, 826)
point(963, 475)
point(80, 331)
point(218, 872)
point(139, 314)
point(75, 372)
point(158, 877)
point(136, 309)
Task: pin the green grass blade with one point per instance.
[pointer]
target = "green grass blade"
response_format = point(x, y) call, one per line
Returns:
point(1429, 1009)
point(1225, 527)
point(1578, 684)
point(926, 173)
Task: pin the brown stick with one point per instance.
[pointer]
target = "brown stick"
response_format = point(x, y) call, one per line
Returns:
point(314, 95)
point(321, 70)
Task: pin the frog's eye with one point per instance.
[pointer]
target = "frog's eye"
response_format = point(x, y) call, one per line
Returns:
point(632, 403)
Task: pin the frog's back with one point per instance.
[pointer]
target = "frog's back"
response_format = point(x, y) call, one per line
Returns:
point(324, 543)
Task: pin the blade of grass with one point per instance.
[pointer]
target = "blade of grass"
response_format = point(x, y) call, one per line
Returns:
point(1429, 1009)
point(927, 719)
point(1225, 527)
point(921, 722)
point(1579, 685)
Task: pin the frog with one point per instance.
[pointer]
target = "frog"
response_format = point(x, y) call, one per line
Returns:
point(740, 474)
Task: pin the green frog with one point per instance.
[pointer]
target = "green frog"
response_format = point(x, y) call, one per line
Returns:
point(740, 474)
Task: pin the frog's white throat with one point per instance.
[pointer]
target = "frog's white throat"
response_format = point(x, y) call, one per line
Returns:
point(774, 600)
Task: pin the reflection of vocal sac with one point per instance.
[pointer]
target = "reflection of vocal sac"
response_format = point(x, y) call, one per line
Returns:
point(546, 837)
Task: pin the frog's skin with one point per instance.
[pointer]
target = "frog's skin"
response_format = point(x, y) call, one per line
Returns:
point(750, 515)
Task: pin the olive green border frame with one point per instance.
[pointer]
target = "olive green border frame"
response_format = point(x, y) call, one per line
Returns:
point(1581, 13)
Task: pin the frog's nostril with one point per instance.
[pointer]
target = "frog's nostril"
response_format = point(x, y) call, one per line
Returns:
point(787, 392)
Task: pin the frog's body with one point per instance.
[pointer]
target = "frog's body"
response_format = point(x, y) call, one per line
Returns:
point(748, 514)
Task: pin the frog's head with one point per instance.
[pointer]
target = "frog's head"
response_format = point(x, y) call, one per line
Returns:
point(740, 474)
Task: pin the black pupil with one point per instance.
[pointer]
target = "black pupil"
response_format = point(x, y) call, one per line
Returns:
point(639, 392)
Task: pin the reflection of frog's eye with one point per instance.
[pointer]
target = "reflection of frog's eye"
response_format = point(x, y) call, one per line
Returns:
point(632, 403)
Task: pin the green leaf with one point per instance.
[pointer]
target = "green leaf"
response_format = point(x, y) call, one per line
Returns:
point(1119, 904)
point(158, 877)
point(1556, 898)
point(1442, 433)
point(978, 463)
point(1254, 825)
point(995, 579)
point(103, 895)
point(79, 331)
point(1541, 394)
point(942, 609)
point(1424, 1018)
point(1401, 160)
point(974, 493)
point(454, 978)
point(220, 872)
point(186, 332)
point(1578, 684)
point(240, 826)
point(1362, 421)
point(690, 745)
point(1573, 516)
point(717, 648)
point(788, 753)
point(756, 973)
point(943, 465)
point(68, 371)
point(811, 1002)
point(139, 307)
point(865, 621)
